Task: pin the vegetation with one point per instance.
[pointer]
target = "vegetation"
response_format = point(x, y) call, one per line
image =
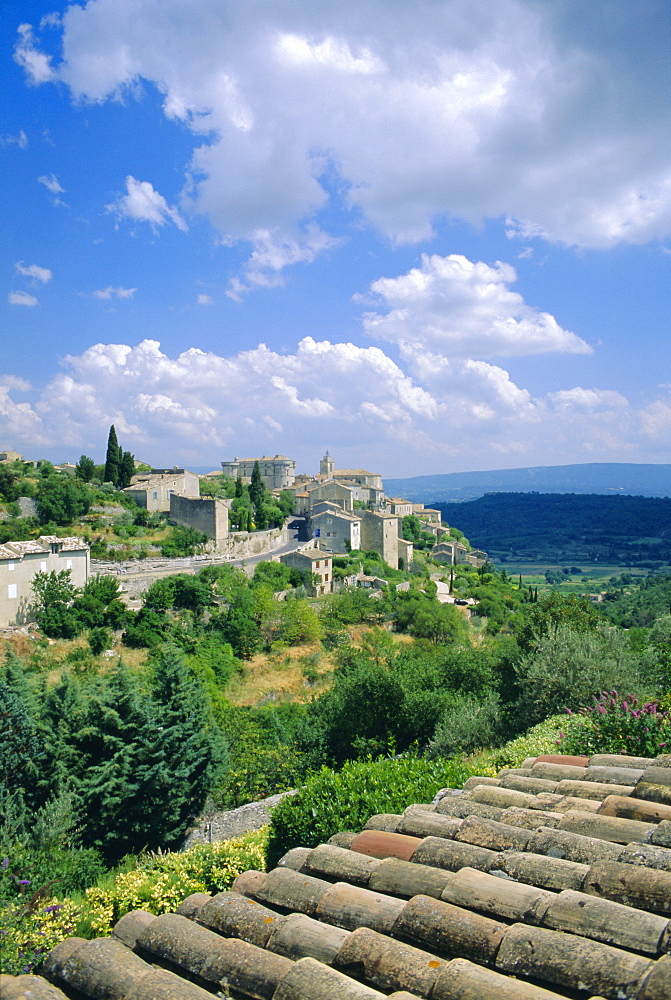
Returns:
point(344, 800)
point(223, 688)
point(39, 914)
point(568, 528)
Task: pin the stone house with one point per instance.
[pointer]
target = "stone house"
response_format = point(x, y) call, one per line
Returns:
point(361, 476)
point(153, 490)
point(334, 529)
point(318, 564)
point(398, 507)
point(381, 533)
point(450, 551)
point(338, 493)
point(10, 456)
point(206, 514)
point(21, 561)
point(277, 473)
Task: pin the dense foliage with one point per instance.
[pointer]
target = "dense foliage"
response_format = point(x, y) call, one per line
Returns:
point(36, 918)
point(331, 800)
point(567, 527)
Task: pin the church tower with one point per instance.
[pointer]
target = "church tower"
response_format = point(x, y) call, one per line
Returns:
point(326, 465)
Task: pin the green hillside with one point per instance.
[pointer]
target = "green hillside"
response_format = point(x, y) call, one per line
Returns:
point(565, 527)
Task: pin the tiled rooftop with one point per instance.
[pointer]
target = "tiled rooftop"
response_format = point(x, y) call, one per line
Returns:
point(40, 546)
point(550, 880)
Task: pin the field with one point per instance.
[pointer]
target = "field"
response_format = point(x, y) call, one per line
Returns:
point(590, 580)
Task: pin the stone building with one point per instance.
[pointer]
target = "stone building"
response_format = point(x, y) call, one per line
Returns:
point(206, 514)
point(277, 473)
point(21, 561)
point(381, 533)
point(398, 507)
point(360, 476)
point(334, 529)
point(318, 564)
point(153, 490)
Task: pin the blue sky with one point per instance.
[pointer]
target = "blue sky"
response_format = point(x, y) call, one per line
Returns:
point(430, 236)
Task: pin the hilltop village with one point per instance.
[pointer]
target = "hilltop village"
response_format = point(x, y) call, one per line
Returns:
point(336, 511)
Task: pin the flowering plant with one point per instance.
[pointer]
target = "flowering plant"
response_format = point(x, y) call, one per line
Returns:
point(619, 724)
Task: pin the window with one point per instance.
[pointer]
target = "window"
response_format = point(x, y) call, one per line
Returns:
point(68, 563)
point(12, 591)
point(326, 576)
point(154, 495)
point(11, 567)
point(43, 566)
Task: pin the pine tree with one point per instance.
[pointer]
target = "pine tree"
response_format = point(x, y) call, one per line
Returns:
point(190, 754)
point(112, 458)
point(115, 770)
point(22, 750)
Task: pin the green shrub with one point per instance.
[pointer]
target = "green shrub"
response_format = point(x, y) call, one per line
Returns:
point(540, 739)
point(619, 724)
point(344, 800)
point(468, 723)
point(34, 923)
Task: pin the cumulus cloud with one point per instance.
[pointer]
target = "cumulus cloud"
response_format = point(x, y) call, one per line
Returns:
point(143, 203)
point(198, 407)
point(453, 306)
point(205, 300)
point(114, 293)
point(436, 111)
point(22, 299)
point(34, 271)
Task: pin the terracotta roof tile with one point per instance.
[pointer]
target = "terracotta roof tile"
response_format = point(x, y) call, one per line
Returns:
point(430, 904)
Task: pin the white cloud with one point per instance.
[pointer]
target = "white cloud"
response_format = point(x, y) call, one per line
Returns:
point(275, 251)
point(453, 306)
point(205, 300)
point(42, 274)
point(36, 64)
point(440, 110)
point(20, 140)
point(199, 407)
point(114, 293)
point(22, 299)
point(51, 183)
point(144, 204)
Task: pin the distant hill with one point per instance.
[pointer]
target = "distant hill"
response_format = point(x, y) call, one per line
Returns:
point(566, 528)
point(606, 478)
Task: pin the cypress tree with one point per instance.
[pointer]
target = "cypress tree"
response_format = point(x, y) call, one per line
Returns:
point(238, 486)
point(112, 458)
point(257, 490)
point(126, 469)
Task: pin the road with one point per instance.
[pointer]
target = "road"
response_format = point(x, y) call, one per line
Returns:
point(135, 571)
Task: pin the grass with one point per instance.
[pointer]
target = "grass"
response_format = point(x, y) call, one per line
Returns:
point(280, 676)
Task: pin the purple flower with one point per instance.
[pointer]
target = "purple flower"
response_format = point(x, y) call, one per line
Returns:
point(602, 710)
point(24, 881)
point(5, 862)
point(52, 909)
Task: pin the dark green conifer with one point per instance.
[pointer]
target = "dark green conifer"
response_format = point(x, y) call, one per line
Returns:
point(112, 458)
